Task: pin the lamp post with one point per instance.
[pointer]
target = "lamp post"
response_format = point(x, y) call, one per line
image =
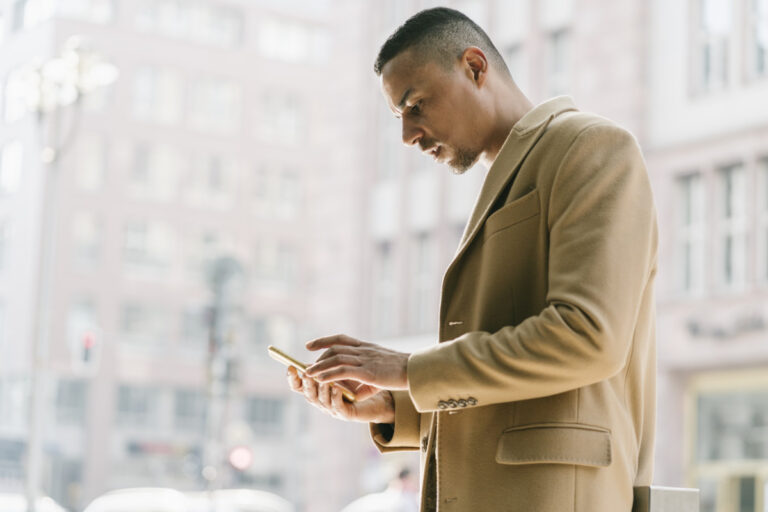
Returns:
point(226, 281)
point(53, 85)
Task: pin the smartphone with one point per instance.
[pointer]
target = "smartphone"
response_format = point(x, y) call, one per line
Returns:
point(287, 360)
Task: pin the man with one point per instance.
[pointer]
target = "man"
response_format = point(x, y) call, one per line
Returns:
point(540, 395)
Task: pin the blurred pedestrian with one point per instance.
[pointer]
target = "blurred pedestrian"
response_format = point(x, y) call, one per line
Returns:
point(401, 495)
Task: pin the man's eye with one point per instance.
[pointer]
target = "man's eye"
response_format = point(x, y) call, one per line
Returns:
point(416, 108)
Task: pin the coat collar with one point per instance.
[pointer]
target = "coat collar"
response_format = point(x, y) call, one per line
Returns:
point(523, 136)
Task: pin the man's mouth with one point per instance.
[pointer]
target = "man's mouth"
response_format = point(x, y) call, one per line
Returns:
point(435, 152)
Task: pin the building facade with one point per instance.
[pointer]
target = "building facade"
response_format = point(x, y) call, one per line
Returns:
point(257, 130)
point(217, 139)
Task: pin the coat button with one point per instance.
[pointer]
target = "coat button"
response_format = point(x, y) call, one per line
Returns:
point(441, 404)
point(453, 403)
point(471, 400)
point(462, 403)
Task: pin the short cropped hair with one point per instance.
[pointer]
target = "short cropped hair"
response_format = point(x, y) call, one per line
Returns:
point(441, 34)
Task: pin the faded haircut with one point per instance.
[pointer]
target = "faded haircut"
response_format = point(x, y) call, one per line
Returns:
point(441, 34)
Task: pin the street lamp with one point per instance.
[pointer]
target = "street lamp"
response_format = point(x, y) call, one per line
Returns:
point(226, 281)
point(53, 85)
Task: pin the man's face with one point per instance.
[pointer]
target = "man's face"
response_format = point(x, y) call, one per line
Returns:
point(438, 108)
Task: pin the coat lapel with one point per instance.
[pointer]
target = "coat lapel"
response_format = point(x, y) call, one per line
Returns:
point(523, 136)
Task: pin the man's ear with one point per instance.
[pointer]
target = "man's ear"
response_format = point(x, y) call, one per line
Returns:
point(475, 64)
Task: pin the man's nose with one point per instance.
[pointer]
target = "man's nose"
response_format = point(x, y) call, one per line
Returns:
point(411, 133)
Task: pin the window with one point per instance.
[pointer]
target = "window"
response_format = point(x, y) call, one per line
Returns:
point(726, 423)
point(384, 301)
point(144, 324)
point(11, 163)
point(692, 228)
point(276, 262)
point(70, 402)
point(194, 326)
point(558, 51)
point(94, 11)
point(5, 239)
point(732, 223)
point(261, 186)
point(91, 161)
point(14, 392)
point(281, 119)
point(757, 42)
point(136, 406)
point(423, 256)
point(81, 319)
point(265, 415)
point(389, 144)
point(288, 201)
point(3, 352)
point(211, 181)
point(762, 218)
point(148, 246)
point(292, 41)
point(711, 45)
point(278, 330)
point(86, 236)
point(512, 21)
point(16, 95)
point(155, 172)
point(199, 21)
point(514, 56)
point(28, 13)
point(214, 106)
point(17, 14)
point(157, 96)
point(730, 426)
point(189, 409)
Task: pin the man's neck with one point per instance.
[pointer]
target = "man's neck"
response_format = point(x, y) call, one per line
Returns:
point(511, 106)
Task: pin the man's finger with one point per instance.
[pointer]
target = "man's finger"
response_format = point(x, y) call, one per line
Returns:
point(310, 389)
point(336, 339)
point(344, 408)
point(333, 362)
point(294, 381)
point(344, 372)
point(338, 349)
point(324, 394)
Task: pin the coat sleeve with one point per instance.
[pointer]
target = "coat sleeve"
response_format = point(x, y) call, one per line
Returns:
point(404, 433)
point(602, 251)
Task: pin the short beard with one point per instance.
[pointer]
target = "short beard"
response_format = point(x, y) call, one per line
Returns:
point(465, 159)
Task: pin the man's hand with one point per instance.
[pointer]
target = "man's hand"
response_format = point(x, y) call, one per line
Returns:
point(372, 404)
point(348, 358)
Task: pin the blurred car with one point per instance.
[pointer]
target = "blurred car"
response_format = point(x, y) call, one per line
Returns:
point(140, 499)
point(17, 502)
point(159, 499)
point(238, 500)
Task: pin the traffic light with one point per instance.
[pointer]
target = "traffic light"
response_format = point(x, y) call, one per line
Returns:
point(88, 344)
point(85, 349)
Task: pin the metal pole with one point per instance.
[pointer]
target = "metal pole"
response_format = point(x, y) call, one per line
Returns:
point(224, 274)
point(38, 383)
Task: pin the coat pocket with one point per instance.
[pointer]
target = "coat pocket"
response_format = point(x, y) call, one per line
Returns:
point(558, 443)
point(510, 214)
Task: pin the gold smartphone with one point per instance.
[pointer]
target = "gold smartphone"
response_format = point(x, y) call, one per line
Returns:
point(287, 360)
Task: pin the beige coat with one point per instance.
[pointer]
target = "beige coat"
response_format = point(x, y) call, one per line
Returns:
point(540, 395)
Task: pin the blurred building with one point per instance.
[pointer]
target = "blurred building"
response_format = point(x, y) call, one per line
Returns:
point(256, 129)
point(707, 148)
point(690, 81)
point(223, 136)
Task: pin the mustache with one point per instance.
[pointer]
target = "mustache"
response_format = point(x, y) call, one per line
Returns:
point(426, 144)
